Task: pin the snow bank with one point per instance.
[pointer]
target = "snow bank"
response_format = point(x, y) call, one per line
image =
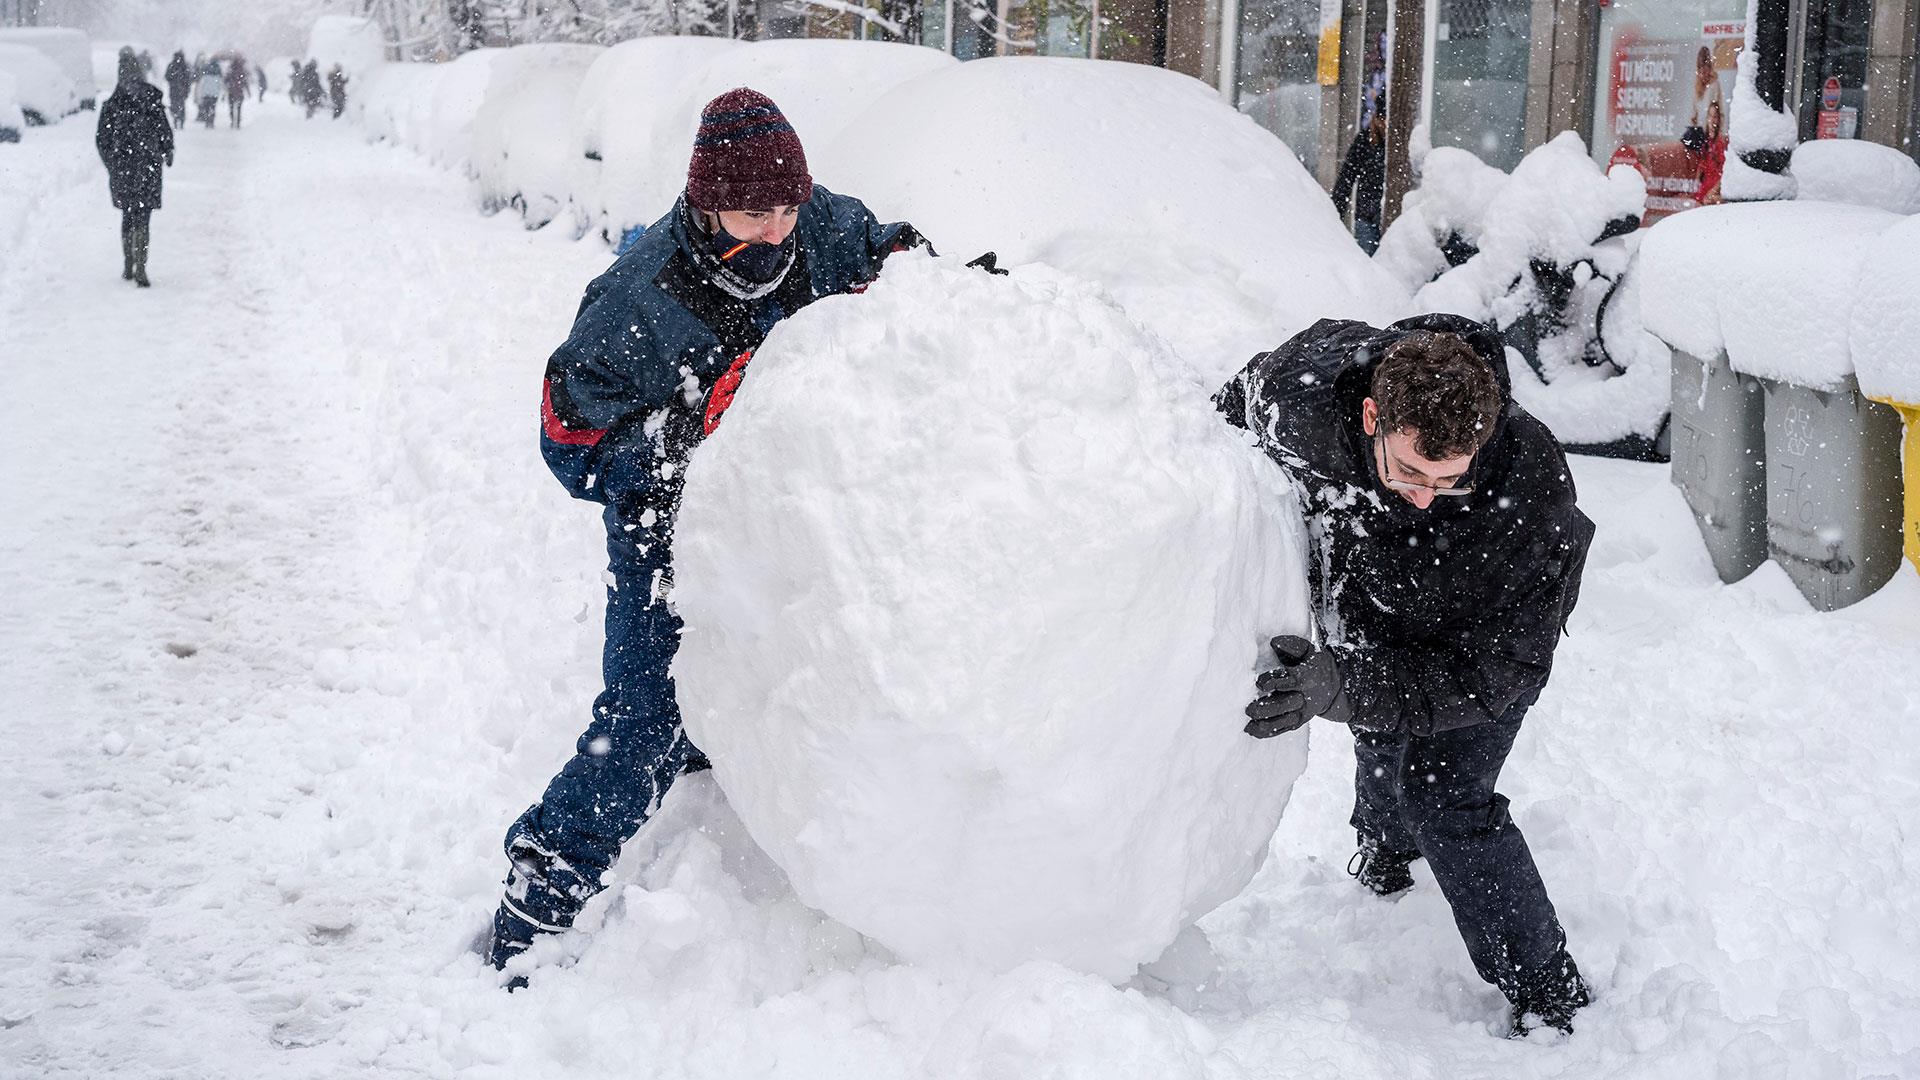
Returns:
point(43, 91)
point(975, 585)
point(1456, 189)
point(1884, 331)
point(353, 42)
point(1770, 284)
point(522, 142)
point(12, 120)
point(71, 52)
point(1204, 226)
point(625, 159)
point(396, 102)
point(1858, 172)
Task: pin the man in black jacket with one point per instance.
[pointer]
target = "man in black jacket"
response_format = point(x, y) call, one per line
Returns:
point(1447, 556)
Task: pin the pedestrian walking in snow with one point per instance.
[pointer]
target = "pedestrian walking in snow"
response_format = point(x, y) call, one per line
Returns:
point(179, 87)
point(260, 73)
point(1448, 557)
point(337, 90)
point(294, 83)
point(659, 345)
point(1363, 176)
point(135, 140)
point(206, 90)
point(310, 89)
point(239, 84)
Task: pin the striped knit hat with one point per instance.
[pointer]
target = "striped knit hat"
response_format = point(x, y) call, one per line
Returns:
point(746, 156)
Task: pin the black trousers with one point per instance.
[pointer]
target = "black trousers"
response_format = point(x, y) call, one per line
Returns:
point(1434, 797)
point(135, 235)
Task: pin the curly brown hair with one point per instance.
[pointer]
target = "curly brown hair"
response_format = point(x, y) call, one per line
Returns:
point(1436, 387)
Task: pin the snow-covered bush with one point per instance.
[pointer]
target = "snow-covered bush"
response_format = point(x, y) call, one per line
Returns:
point(621, 108)
point(1858, 172)
point(43, 91)
point(1441, 219)
point(71, 51)
point(1551, 249)
point(457, 97)
point(522, 135)
point(1203, 225)
point(351, 41)
point(975, 585)
point(1773, 285)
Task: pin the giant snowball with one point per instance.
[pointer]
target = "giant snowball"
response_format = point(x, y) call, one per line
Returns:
point(975, 585)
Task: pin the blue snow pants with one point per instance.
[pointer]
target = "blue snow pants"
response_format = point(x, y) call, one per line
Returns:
point(1433, 797)
point(627, 758)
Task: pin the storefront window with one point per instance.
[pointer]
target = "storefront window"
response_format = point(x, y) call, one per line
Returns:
point(971, 38)
point(1665, 77)
point(1064, 26)
point(1276, 84)
point(1480, 78)
point(1838, 43)
point(933, 24)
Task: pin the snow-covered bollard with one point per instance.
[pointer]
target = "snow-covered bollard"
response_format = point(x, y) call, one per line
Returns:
point(975, 585)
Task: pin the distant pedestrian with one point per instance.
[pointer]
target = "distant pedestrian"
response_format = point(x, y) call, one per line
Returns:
point(1363, 175)
point(206, 90)
point(179, 87)
point(310, 89)
point(260, 73)
point(239, 83)
point(337, 90)
point(294, 83)
point(135, 142)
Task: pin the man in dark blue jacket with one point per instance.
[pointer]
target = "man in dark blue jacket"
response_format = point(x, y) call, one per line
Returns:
point(656, 352)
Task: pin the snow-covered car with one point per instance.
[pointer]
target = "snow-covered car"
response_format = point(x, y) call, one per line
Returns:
point(619, 108)
point(396, 102)
point(10, 119)
point(1203, 225)
point(457, 97)
point(69, 49)
point(43, 91)
point(522, 135)
point(351, 41)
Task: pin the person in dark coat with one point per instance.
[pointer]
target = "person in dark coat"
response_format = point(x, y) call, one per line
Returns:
point(295, 82)
point(135, 140)
point(1363, 175)
point(260, 73)
point(179, 87)
point(660, 343)
point(337, 90)
point(1448, 549)
point(239, 84)
point(310, 89)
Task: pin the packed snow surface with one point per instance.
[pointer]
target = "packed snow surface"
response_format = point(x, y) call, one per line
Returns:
point(1770, 284)
point(1884, 335)
point(976, 583)
point(1203, 225)
point(1857, 171)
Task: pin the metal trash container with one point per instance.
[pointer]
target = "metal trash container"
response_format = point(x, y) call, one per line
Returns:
point(1833, 491)
point(1719, 459)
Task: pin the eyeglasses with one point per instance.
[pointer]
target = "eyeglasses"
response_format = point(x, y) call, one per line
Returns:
point(1386, 475)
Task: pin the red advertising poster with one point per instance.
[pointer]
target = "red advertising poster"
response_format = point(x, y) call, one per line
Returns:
point(1667, 112)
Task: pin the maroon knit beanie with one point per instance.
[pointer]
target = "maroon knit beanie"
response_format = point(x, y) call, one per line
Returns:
point(746, 156)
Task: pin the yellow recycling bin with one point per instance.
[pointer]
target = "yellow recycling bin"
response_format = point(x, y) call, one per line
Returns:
point(1910, 465)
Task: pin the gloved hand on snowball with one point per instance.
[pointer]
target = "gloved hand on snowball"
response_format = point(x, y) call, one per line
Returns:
point(1305, 685)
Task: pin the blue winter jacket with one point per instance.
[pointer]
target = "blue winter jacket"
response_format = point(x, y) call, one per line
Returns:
point(626, 395)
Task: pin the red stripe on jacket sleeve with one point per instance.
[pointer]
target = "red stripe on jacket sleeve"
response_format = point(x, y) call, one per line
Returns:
point(559, 432)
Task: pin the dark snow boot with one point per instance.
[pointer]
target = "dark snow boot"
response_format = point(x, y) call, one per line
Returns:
point(1549, 1003)
point(140, 234)
point(126, 254)
point(543, 895)
point(1384, 872)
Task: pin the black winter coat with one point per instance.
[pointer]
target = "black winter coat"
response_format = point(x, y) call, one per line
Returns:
point(1363, 174)
point(135, 139)
point(1440, 618)
point(179, 77)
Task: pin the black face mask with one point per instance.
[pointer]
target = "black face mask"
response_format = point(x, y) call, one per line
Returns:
point(758, 263)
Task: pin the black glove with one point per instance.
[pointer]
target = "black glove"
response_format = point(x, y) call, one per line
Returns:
point(1305, 685)
point(989, 262)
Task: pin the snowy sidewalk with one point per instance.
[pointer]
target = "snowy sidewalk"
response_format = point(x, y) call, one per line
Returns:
point(295, 621)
